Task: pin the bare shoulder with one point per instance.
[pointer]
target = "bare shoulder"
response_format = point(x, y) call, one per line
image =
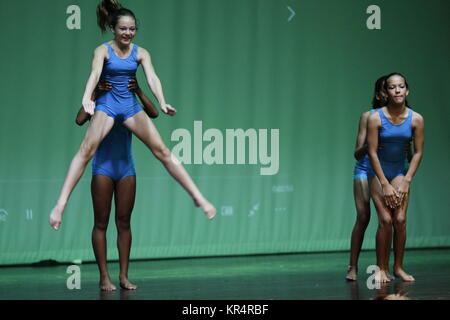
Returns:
point(417, 118)
point(101, 50)
point(416, 115)
point(365, 115)
point(143, 53)
point(374, 118)
point(363, 120)
point(373, 115)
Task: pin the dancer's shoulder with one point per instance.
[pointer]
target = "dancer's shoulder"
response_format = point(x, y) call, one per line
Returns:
point(373, 117)
point(416, 117)
point(101, 49)
point(143, 54)
point(143, 51)
point(365, 115)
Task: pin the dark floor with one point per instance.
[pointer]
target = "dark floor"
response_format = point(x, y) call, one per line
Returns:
point(319, 276)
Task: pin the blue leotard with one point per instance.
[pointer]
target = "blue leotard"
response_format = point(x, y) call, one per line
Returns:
point(393, 139)
point(361, 166)
point(113, 157)
point(119, 103)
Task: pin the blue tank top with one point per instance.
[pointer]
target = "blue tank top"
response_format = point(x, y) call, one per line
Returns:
point(393, 138)
point(118, 72)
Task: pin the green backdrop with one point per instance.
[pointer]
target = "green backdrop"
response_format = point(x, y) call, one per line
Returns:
point(231, 64)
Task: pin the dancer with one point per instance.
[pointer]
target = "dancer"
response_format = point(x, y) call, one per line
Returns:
point(392, 127)
point(360, 184)
point(113, 173)
point(116, 62)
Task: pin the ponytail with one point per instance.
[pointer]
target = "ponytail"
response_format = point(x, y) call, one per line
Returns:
point(105, 13)
point(379, 95)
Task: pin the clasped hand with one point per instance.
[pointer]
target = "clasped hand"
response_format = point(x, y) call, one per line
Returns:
point(395, 197)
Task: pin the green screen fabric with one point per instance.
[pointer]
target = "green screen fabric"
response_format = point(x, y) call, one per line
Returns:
point(231, 64)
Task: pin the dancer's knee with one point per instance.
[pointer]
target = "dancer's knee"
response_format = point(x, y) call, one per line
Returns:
point(363, 221)
point(87, 151)
point(123, 223)
point(162, 153)
point(100, 226)
point(385, 222)
point(400, 222)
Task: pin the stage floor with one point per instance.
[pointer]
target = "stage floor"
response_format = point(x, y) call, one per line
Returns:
point(315, 276)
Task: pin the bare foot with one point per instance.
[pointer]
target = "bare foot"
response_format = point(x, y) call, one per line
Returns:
point(126, 284)
point(208, 208)
point(106, 285)
point(390, 276)
point(351, 273)
point(403, 275)
point(381, 277)
point(56, 217)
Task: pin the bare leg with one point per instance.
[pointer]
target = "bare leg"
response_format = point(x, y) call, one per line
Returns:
point(125, 193)
point(143, 128)
point(362, 202)
point(400, 235)
point(99, 127)
point(388, 255)
point(384, 232)
point(101, 189)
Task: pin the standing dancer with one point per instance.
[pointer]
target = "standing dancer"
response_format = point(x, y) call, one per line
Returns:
point(113, 173)
point(360, 183)
point(393, 127)
point(116, 62)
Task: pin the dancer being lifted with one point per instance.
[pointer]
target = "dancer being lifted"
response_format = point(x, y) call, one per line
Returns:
point(116, 62)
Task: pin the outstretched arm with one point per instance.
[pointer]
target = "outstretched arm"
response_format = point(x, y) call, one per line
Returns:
point(153, 81)
point(100, 54)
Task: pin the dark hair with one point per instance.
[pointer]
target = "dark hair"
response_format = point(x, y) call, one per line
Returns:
point(378, 100)
point(109, 12)
point(400, 75)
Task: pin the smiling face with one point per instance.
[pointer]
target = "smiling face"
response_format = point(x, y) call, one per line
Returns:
point(397, 90)
point(124, 30)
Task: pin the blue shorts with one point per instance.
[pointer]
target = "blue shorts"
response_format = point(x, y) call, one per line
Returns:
point(361, 166)
point(120, 114)
point(359, 173)
point(114, 174)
